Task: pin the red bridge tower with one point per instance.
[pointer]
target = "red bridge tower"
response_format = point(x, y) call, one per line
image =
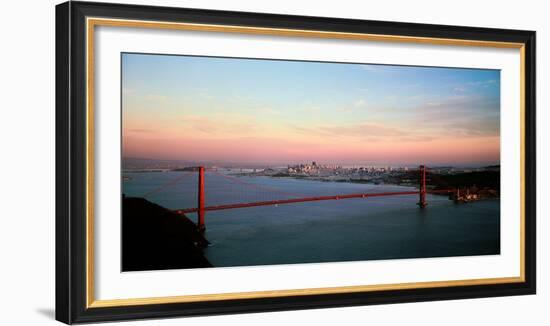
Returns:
point(422, 200)
point(200, 205)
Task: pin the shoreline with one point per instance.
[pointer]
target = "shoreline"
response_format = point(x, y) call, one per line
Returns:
point(485, 192)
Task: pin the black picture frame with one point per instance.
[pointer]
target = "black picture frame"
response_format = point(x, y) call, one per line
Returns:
point(71, 158)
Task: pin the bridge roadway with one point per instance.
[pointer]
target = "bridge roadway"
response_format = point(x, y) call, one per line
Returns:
point(305, 199)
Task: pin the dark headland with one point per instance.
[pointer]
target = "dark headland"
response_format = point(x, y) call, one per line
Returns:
point(155, 238)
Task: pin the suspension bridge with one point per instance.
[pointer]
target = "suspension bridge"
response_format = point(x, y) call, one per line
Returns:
point(286, 197)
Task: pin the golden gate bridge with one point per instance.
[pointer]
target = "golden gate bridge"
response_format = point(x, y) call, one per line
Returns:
point(291, 198)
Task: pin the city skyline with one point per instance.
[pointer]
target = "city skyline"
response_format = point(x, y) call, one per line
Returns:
point(281, 112)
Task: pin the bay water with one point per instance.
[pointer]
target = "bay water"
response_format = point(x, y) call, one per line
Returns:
point(391, 227)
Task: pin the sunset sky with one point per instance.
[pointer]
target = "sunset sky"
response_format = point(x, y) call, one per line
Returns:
point(205, 109)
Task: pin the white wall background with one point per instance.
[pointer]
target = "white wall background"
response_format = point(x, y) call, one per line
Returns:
point(27, 162)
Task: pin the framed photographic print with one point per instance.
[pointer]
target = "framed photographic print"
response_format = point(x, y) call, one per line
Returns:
point(222, 162)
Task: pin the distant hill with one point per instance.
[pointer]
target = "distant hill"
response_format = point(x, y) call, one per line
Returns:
point(481, 179)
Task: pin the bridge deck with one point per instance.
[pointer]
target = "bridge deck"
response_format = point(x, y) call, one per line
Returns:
point(304, 199)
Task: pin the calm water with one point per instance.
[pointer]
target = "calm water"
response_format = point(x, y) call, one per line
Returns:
point(326, 231)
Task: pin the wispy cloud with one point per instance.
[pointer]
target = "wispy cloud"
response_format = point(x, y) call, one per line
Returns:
point(458, 116)
point(311, 109)
point(269, 110)
point(155, 97)
point(127, 91)
point(206, 96)
point(141, 131)
point(219, 125)
point(482, 82)
point(433, 104)
point(360, 103)
point(242, 98)
point(365, 131)
point(353, 106)
point(473, 85)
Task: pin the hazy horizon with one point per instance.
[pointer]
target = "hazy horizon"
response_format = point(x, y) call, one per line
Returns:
point(257, 111)
point(279, 164)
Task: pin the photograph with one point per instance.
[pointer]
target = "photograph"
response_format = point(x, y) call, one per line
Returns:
point(230, 161)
